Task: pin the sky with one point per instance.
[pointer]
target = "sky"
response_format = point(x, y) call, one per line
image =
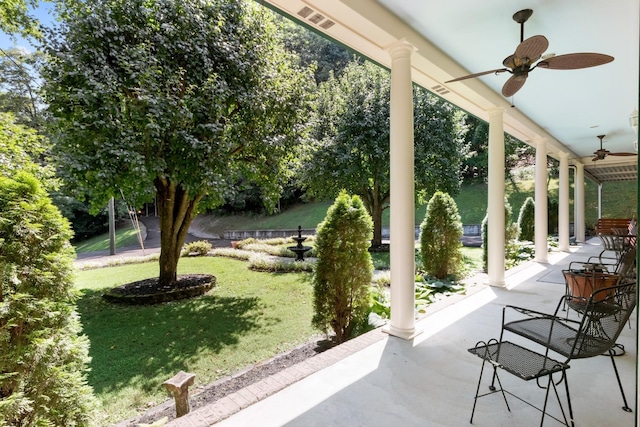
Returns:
point(43, 13)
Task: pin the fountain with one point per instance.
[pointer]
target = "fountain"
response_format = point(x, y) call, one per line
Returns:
point(299, 250)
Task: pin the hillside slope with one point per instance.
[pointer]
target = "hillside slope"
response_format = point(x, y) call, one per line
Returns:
point(618, 200)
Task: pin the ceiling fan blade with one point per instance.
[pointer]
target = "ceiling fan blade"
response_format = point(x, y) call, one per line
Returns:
point(513, 85)
point(574, 61)
point(623, 154)
point(470, 76)
point(531, 49)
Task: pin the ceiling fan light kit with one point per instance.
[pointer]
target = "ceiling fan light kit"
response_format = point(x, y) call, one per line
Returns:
point(523, 61)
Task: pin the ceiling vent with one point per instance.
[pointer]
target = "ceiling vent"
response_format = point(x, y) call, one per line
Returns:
point(305, 11)
point(316, 18)
point(440, 90)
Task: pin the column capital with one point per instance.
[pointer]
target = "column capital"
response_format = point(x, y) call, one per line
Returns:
point(563, 155)
point(400, 49)
point(495, 110)
point(540, 142)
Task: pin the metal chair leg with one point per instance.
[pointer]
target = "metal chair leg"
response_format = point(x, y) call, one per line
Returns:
point(626, 407)
point(491, 387)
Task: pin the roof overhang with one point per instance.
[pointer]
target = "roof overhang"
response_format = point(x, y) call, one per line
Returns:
point(369, 28)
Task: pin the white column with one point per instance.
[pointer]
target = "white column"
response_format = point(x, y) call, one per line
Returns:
point(495, 203)
point(578, 203)
point(599, 200)
point(541, 217)
point(563, 203)
point(402, 207)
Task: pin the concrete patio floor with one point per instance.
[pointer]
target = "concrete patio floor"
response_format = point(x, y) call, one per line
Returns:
point(380, 380)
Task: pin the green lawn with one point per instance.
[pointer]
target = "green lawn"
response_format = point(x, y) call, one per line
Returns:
point(248, 317)
point(125, 236)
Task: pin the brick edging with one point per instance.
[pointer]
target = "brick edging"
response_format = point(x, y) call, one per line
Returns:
point(253, 393)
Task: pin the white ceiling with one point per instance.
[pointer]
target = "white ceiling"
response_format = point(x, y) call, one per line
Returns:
point(457, 37)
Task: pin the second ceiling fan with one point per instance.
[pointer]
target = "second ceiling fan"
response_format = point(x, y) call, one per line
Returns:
point(523, 61)
point(602, 153)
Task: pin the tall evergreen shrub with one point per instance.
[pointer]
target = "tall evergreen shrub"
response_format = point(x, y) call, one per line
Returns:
point(42, 355)
point(511, 232)
point(526, 220)
point(344, 269)
point(440, 234)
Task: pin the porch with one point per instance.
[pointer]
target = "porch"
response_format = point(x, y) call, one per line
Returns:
point(380, 380)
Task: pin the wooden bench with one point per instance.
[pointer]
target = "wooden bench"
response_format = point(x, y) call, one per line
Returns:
point(606, 225)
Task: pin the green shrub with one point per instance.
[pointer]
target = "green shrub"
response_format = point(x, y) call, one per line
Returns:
point(440, 234)
point(511, 232)
point(200, 247)
point(344, 269)
point(526, 220)
point(262, 262)
point(552, 215)
point(42, 355)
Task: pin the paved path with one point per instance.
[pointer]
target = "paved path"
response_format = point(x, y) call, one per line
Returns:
point(150, 229)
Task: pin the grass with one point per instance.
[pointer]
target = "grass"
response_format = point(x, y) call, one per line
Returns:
point(126, 236)
point(472, 257)
point(248, 317)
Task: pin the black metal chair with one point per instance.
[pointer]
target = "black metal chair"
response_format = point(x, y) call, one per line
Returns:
point(603, 316)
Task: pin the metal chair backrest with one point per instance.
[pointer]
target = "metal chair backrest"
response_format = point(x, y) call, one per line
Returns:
point(603, 315)
point(627, 265)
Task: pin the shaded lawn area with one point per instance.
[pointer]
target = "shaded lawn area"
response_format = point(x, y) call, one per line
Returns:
point(246, 318)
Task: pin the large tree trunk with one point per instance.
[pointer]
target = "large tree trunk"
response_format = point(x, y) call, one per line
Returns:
point(176, 207)
point(374, 203)
point(376, 216)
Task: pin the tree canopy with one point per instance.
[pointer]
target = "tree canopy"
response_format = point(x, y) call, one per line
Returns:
point(19, 88)
point(350, 147)
point(188, 97)
point(16, 19)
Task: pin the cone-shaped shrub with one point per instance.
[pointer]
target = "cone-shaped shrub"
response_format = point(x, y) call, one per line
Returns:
point(510, 234)
point(526, 220)
point(42, 356)
point(440, 234)
point(344, 269)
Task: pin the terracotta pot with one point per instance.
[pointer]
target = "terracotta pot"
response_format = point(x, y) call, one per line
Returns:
point(582, 284)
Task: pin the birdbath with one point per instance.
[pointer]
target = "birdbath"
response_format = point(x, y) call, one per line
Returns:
point(299, 250)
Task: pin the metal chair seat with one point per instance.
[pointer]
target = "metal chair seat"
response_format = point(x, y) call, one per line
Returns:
point(603, 315)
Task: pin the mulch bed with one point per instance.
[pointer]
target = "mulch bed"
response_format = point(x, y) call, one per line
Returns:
point(148, 291)
point(221, 388)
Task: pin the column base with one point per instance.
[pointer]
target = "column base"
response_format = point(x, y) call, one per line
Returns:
point(496, 283)
point(406, 334)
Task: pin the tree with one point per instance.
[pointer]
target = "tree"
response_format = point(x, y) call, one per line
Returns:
point(313, 49)
point(440, 234)
point(475, 165)
point(19, 86)
point(42, 355)
point(185, 97)
point(350, 147)
point(344, 269)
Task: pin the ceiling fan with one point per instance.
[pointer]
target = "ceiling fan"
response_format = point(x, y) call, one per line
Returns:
point(523, 61)
point(602, 153)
